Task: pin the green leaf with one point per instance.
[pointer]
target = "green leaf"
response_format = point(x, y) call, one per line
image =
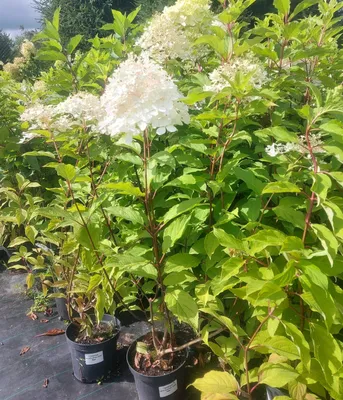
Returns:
point(292, 243)
point(295, 217)
point(128, 213)
point(56, 18)
point(176, 278)
point(133, 14)
point(264, 238)
point(94, 282)
point(30, 280)
point(326, 350)
point(18, 241)
point(174, 231)
point(183, 306)
point(328, 241)
point(337, 176)
point(133, 265)
point(51, 55)
point(100, 304)
point(66, 171)
point(142, 348)
point(216, 382)
point(316, 291)
point(39, 154)
point(180, 262)
point(123, 188)
point(210, 244)
point(282, 346)
point(249, 178)
point(283, 6)
point(297, 390)
point(73, 43)
point(181, 208)
point(277, 375)
point(280, 187)
point(303, 6)
point(299, 340)
point(279, 133)
point(334, 148)
point(31, 233)
point(227, 322)
point(252, 209)
point(333, 127)
point(229, 241)
point(321, 185)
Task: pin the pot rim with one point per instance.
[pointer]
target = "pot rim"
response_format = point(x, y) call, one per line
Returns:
point(147, 376)
point(118, 325)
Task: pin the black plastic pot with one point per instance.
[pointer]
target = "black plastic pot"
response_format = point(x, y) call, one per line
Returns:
point(93, 362)
point(170, 386)
point(62, 311)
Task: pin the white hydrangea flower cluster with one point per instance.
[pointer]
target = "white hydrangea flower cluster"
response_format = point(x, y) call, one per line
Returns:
point(170, 35)
point(226, 72)
point(39, 86)
point(42, 116)
point(301, 147)
point(27, 49)
point(141, 94)
point(81, 108)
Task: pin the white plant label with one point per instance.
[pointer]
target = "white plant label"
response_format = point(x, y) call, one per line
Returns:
point(94, 358)
point(168, 389)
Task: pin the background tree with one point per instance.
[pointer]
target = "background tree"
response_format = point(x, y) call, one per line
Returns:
point(6, 47)
point(85, 17)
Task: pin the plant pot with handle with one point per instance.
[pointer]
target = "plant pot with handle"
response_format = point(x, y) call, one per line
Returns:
point(170, 385)
point(93, 362)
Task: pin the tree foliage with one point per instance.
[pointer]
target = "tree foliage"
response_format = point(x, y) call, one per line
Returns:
point(6, 47)
point(80, 16)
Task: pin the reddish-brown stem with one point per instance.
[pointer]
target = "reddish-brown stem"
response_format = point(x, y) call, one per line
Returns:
point(315, 171)
point(153, 229)
point(184, 346)
point(247, 348)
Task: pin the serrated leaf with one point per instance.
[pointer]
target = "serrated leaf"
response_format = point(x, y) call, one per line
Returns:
point(210, 244)
point(39, 154)
point(73, 43)
point(31, 233)
point(51, 55)
point(66, 171)
point(281, 187)
point(282, 346)
point(123, 188)
point(277, 375)
point(228, 240)
point(183, 306)
point(128, 213)
point(174, 231)
point(216, 382)
point(283, 6)
point(181, 208)
point(180, 262)
point(321, 185)
point(326, 350)
point(297, 390)
point(328, 241)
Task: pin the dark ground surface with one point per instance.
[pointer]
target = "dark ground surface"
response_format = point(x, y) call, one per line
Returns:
point(22, 377)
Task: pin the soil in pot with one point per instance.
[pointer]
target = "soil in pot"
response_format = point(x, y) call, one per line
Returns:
point(94, 359)
point(156, 379)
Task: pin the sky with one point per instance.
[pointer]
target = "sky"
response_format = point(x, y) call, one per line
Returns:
point(14, 13)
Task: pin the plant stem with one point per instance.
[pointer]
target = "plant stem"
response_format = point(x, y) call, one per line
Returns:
point(153, 230)
point(194, 341)
point(247, 348)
